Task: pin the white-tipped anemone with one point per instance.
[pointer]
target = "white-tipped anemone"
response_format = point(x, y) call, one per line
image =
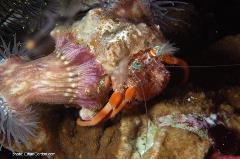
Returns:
point(16, 127)
point(157, 9)
point(8, 50)
point(165, 48)
point(161, 8)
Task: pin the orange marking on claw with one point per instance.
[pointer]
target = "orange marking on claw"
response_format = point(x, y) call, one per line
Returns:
point(97, 118)
point(130, 93)
point(152, 53)
point(114, 101)
point(129, 96)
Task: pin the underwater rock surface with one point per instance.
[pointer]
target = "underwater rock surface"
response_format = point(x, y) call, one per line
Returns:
point(125, 136)
point(120, 137)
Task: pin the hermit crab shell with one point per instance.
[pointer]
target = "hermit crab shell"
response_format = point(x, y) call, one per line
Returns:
point(109, 38)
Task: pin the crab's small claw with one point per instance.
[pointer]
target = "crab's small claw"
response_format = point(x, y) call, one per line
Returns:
point(129, 96)
point(114, 101)
point(168, 59)
point(112, 108)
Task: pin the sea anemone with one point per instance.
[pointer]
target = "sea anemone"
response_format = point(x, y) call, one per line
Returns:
point(16, 124)
point(161, 8)
point(69, 76)
point(152, 12)
point(16, 15)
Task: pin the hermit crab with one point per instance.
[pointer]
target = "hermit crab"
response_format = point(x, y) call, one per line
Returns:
point(131, 58)
point(98, 55)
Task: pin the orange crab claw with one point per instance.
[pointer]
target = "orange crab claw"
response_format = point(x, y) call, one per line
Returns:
point(129, 96)
point(168, 59)
point(113, 102)
point(112, 108)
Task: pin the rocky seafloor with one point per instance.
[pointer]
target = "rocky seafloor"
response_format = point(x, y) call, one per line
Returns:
point(213, 87)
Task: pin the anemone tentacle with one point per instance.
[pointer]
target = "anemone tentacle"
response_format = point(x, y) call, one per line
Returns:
point(16, 127)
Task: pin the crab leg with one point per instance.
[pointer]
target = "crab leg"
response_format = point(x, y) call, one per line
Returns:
point(168, 59)
point(113, 102)
point(129, 96)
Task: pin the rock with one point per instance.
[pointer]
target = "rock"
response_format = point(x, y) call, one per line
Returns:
point(233, 97)
point(125, 136)
point(227, 50)
point(120, 138)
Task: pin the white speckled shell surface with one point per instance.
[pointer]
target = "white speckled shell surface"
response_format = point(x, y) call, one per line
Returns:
point(110, 39)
